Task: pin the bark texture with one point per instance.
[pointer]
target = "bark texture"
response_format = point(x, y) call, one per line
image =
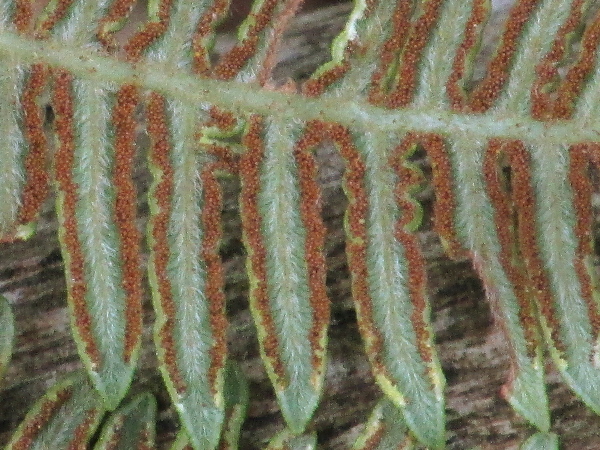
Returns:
point(471, 347)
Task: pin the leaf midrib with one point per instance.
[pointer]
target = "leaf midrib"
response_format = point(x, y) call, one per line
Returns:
point(246, 98)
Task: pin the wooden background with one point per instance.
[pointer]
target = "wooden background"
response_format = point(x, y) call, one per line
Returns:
point(471, 347)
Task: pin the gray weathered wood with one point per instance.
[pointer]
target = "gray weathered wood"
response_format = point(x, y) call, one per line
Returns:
point(473, 353)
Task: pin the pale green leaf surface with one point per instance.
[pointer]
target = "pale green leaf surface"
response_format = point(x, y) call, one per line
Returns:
point(98, 75)
point(200, 411)
point(73, 420)
point(437, 60)
point(387, 425)
point(265, 38)
point(182, 442)
point(587, 106)
point(236, 403)
point(99, 240)
point(372, 29)
point(131, 426)
point(477, 230)
point(173, 48)
point(541, 441)
point(548, 17)
point(79, 25)
point(407, 384)
point(284, 236)
point(192, 90)
point(13, 146)
point(6, 12)
point(7, 334)
point(557, 244)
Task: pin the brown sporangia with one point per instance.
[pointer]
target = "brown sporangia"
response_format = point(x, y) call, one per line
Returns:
point(47, 410)
point(445, 199)
point(485, 93)
point(523, 197)
point(118, 435)
point(125, 213)
point(356, 245)
point(149, 33)
point(375, 439)
point(583, 189)
point(223, 120)
point(160, 151)
point(310, 211)
point(36, 186)
point(229, 161)
point(249, 168)
point(409, 180)
point(389, 52)
point(146, 441)
point(559, 102)
point(58, 12)
point(118, 11)
point(211, 225)
point(23, 15)
point(62, 103)
point(84, 430)
point(403, 90)
point(318, 85)
point(233, 61)
point(505, 219)
point(280, 24)
point(507, 174)
point(455, 86)
point(204, 34)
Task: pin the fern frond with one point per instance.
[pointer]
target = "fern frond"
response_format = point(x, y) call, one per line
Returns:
point(65, 417)
point(545, 19)
point(511, 158)
point(184, 234)
point(130, 427)
point(485, 230)
point(254, 57)
point(185, 271)
point(284, 235)
point(23, 147)
point(97, 207)
point(98, 231)
point(385, 429)
point(236, 402)
point(388, 272)
point(287, 440)
point(7, 334)
point(547, 441)
point(570, 319)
